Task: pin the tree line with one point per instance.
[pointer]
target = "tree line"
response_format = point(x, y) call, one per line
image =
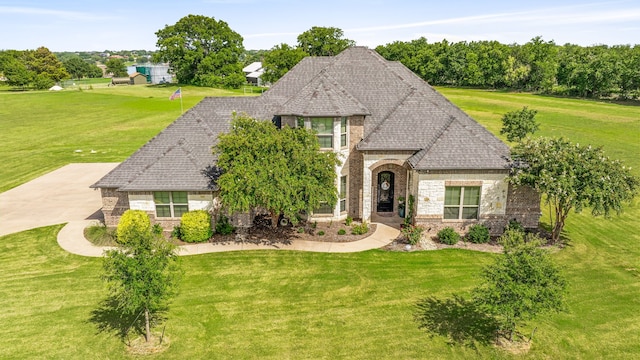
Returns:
point(541, 66)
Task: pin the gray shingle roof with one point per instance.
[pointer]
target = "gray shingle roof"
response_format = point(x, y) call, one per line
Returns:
point(402, 113)
point(323, 96)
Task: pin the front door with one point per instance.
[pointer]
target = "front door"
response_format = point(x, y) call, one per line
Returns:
point(385, 191)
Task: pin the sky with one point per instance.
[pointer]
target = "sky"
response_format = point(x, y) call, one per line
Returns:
point(89, 25)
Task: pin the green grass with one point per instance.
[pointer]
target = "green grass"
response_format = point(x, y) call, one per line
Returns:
point(274, 305)
point(107, 124)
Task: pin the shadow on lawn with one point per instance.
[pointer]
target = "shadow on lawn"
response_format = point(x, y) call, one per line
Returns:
point(109, 319)
point(457, 319)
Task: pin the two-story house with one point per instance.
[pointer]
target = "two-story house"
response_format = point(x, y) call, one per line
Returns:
point(396, 136)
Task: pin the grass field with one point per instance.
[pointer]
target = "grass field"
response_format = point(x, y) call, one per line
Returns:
point(275, 305)
point(42, 131)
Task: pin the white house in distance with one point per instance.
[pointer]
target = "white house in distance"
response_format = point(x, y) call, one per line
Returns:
point(253, 72)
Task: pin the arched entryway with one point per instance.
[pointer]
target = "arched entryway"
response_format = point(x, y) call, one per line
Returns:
point(386, 189)
point(388, 185)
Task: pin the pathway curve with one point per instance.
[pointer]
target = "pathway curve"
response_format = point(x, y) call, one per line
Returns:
point(71, 238)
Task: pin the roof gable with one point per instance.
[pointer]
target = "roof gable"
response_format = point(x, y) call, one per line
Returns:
point(323, 96)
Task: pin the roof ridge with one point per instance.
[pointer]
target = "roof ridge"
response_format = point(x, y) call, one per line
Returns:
point(388, 114)
point(439, 134)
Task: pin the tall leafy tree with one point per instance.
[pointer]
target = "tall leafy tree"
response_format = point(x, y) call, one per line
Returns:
point(201, 51)
point(45, 63)
point(143, 273)
point(280, 59)
point(116, 67)
point(518, 124)
point(280, 170)
point(323, 41)
point(521, 284)
point(17, 73)
point(79, 68)
point(572, 176)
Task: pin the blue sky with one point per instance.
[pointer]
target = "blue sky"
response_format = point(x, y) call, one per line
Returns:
point(64, 25)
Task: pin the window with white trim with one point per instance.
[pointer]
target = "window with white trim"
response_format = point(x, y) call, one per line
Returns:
point(462, 202)
point(343, 132)
point(343, 193)
point(324, 131)
point(171, 203)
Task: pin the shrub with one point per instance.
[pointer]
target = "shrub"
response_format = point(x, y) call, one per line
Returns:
point(348, 221)
point(342, 232)
point(195, 226)
point(514, 225)
point(413, 233)
point(132, 225)
point(157, 229)
point(478, 234)
point(360, 229)
point(300, 230)
point(320, 233)
point(448, 236)
point(176, 233)
point(223, 226)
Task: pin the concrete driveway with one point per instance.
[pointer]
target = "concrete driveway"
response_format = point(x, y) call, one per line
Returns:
point(58, 197)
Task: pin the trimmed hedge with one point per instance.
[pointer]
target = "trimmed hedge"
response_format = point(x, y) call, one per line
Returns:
point(195, 226)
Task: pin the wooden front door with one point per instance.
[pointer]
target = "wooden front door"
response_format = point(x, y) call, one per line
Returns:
point(385, 191)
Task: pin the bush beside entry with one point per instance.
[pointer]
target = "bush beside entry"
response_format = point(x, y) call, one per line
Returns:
point(195, 226)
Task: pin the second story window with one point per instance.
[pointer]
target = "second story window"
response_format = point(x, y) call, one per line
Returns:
point(324, 130)
point(343, 132)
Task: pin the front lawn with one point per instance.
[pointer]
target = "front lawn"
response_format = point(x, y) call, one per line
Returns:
point(281, 304)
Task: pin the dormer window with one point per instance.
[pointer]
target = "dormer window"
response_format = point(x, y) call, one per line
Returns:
point(326, 130)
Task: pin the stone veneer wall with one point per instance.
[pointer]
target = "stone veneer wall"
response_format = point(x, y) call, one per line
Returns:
point(500, 203)
point(114, 204)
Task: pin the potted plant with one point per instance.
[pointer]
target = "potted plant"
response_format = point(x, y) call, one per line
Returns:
point(401, 206)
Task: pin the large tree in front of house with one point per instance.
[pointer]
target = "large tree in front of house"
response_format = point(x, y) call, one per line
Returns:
point(280, 170)
point(143, 273)
point(521, 284)
point(572, 176)
point(202, 51)
point(323, 41)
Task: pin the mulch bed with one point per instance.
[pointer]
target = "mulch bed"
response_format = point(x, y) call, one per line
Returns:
point(321, 232)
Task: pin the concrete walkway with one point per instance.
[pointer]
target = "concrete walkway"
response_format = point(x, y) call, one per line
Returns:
point(64, 196)
point(71, 239)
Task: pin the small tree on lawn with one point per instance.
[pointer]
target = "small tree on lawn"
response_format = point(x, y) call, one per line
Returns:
point(143, 273)
point(280, 170)
point(522, 283)
point(518, 124)
point(572, 177)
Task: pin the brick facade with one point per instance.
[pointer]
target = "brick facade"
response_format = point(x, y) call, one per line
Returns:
point(114, 204)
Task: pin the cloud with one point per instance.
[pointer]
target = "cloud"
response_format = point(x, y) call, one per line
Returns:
point(63, 14)
point(557, 16)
